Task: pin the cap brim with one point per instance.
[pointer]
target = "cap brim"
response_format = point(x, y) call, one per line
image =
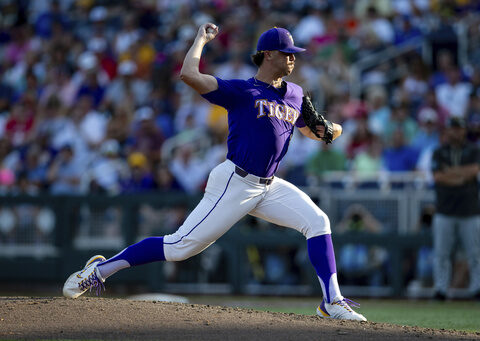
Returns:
point(292, 49)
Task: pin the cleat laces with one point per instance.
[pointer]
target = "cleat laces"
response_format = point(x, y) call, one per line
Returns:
point(346, 303)
point(351, 303)
point(91, 282)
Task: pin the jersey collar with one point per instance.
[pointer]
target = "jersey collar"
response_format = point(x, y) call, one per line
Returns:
point(258, 83)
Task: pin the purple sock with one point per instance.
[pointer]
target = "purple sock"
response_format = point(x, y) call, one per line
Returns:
point(322, 257)
point(146, 251)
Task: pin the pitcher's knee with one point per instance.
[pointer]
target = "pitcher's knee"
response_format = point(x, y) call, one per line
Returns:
point(318, 226)
point(182, 250)
point(174, 254)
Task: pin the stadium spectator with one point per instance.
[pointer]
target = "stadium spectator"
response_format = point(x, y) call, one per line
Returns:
point(140, 178)
point(379, 110)
point(427, 136)
point(146, 137)
point(361, 137)
point(107, 63)
point(165, 181)
point(430, 101)
point(19, 126)
point(127, 36)
point(235, 68)
point(368, 163)
point(405, 28)
point(35, 167)
point(45, 22)
point(127, 86)
point(444, 63)
point(400, 120)
point(310, 26)
point(65, 173)
point(415, 84)
point(93, 124)
point(89, 79)
point(399, 157)
point(108, 170)
point(189, 170)
point(192, 114)
point(454, 95)
point(325, 159)
point(58, 85)
point(120, 124)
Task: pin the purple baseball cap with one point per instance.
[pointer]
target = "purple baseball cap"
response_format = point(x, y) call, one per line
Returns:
point(277, 38)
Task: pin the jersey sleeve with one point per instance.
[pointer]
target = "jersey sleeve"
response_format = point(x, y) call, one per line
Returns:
point(227, 95)
point(300, 122)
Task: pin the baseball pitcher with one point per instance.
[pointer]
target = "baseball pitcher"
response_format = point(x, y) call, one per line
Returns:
point(262, 114)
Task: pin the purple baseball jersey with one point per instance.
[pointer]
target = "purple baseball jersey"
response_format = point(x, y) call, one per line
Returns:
point(261, 120)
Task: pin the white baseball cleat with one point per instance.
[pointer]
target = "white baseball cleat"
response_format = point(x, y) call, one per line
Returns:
point(339, 310)
point(88, 278)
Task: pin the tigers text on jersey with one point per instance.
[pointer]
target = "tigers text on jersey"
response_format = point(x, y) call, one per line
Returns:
point(261, 119)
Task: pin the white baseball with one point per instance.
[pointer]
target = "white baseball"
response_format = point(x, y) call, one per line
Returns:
point(210, 30)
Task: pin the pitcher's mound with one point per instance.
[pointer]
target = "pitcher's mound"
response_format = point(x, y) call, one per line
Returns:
point(100, 318)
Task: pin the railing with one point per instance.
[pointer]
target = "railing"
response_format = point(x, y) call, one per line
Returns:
point(54, 244)
point(369, 61)
point(418, 43)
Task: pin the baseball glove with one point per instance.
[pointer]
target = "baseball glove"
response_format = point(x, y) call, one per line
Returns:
point(313, 118)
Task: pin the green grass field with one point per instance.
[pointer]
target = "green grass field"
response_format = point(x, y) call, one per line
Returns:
point(453, 315)
point(447, 315)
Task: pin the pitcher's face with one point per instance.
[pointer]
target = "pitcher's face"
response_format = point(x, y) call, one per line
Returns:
point(284, 62)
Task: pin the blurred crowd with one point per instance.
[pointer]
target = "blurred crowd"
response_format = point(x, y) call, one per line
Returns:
point(91, 100)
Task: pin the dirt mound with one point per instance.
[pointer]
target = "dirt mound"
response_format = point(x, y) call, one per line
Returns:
point(100, 318)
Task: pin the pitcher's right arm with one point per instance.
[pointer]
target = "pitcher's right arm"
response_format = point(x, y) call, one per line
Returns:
point(190, 73)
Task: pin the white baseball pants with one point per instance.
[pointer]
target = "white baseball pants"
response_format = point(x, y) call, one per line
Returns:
point(228, 197)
